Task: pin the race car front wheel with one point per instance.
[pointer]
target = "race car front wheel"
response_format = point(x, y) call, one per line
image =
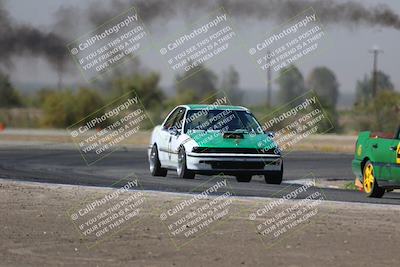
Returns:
point(155, 165)
point(182, 169)
point(371, 187)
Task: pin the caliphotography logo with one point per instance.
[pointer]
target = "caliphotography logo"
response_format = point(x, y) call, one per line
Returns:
point(292, 42)
point(208, 205)
point(101, 217)
point(293, 122)
point(102, 132)
point(110, 44)
point(209, 39)
point(284, 216)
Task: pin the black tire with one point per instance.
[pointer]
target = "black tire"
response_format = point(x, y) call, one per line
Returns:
point(371, 187)
point(243, 178)
point(154, 163)
point(182, 169)
point(274, 177)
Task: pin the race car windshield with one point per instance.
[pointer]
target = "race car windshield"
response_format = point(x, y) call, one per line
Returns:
point(221, 120)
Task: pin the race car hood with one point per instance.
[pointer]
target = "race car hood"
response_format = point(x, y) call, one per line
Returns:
point(216, 139)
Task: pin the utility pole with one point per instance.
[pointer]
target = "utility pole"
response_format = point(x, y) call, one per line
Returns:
point(269, 85)
point(375, 51)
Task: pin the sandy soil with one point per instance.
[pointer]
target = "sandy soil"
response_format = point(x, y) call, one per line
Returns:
point(36, 231)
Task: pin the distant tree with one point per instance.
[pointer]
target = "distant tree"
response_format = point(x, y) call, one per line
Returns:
point(230, 85)
point(64, 108)
point(87, 101)
point(323, 81)
point(379, 114)
point(9, 97)
point(200, 80)
point(364, 87)
point(333, 117)
point(59, 109)
point(387, 106)
point(146, 86)
point(39, 97)
point(291, 84)
point(185, 97)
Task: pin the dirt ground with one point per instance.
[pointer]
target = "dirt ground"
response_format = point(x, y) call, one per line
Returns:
point(36, 230)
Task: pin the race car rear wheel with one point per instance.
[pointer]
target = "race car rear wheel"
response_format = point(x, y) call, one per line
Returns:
point(243, 178)
point(155, 165)
point(274, 177)
point(182, 169)
point(371, 187)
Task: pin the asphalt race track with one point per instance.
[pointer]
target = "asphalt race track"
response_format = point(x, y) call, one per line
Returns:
point(66, 166)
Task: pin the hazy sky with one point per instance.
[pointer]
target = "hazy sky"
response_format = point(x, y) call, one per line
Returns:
point(348, 55)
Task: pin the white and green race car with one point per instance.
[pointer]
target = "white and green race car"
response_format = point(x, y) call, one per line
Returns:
point(210, 139)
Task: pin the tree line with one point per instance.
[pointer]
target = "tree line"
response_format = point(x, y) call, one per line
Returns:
point(61, 108)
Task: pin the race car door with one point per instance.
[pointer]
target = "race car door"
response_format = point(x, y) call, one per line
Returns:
point(393, 170)
point(164, 138)
point(174, 140)
point(384, 151)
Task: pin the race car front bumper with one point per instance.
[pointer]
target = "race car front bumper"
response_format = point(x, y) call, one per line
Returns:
point(209, 163)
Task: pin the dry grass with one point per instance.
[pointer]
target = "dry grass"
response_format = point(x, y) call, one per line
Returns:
point(322, 143)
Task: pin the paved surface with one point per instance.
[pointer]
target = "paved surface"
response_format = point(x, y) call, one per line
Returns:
point(66, 166)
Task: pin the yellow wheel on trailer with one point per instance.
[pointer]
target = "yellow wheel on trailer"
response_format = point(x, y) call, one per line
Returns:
point(370, 184)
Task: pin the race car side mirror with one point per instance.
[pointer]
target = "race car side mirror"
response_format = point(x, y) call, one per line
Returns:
point(270, 134)
point(173, 131)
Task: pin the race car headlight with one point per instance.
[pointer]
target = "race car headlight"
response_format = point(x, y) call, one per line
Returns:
point(197, 149)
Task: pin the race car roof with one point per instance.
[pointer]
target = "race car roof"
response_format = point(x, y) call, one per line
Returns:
point(223, 107)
